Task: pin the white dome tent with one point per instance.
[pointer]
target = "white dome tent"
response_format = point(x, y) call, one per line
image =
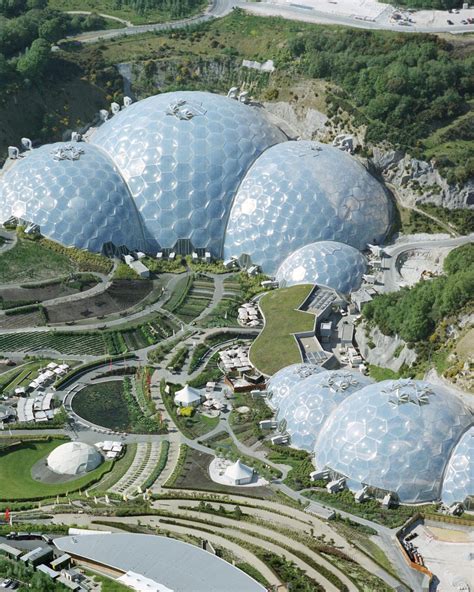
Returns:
point(239, 473)
point(187, 397)
point(74, 458)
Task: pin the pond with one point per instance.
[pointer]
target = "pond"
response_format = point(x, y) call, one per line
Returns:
point(104, 404)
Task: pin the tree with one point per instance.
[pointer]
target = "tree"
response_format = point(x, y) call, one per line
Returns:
point(36, 4)
point(52, 30)
point(33, 62)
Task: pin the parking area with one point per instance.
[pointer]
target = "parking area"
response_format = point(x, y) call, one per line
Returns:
point(448, 552)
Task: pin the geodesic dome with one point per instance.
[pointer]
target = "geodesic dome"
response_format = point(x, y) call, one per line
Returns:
point(183, 155)
point(306, 407)
point(74, 458)
point(458, 483)
point(74, 192)
point(281, 383)
point(327, 263)
point(297, 193)
point(395, 435)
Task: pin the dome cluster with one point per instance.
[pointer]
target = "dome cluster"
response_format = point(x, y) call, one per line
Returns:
point(195, 170)
point(327, 263)
point(406, 437)
point(305, 410)
point(297, 193)
point(282, 383)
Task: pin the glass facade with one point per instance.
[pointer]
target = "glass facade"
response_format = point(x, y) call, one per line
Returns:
point(297, 193)
point(309, 403)
point(458, 484)
point(395, 436)
point(74, 192)
point(183, 155)
point(282, 382)
point(326, 263)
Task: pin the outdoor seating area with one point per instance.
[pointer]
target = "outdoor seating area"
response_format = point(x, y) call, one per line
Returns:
point(249, 315)
point(235, 359)
point(110, 449)
point(38, 409)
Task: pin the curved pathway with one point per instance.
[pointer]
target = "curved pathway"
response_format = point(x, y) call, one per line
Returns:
point(292, 11)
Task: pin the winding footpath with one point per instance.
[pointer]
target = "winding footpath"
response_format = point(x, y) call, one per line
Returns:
point(288, 10)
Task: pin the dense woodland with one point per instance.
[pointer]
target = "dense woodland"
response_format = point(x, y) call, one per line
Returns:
point(413, 313)
point(436, 4)
point(176, 8)
point(402, 87)
point(27, 30)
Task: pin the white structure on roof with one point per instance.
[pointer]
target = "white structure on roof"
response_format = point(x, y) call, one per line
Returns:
point(187, 397)
point(141, 583)
point(74, 458)
point(239, 473)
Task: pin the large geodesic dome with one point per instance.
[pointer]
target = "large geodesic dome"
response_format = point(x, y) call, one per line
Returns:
point(303, 411)
point(297, 193)
point(183, 155)
point(281, 383)
point(327, 263)
point(75, 193)
point(74, 458)
point(458, 483)
point(396, 435)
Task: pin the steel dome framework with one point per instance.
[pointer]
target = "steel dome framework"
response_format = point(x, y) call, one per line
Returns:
point(327, 263)
point(394, 436)
point(309, 403)
point(458, 483)
point(282, 382)
point(297, 193)
point(75, 193)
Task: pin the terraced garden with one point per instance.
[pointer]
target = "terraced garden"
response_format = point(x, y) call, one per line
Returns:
point(191, 297)
point(121, 295)
point(94, 343)
point(20, 375)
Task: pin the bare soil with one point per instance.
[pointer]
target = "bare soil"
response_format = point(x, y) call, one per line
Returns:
point(121, 295)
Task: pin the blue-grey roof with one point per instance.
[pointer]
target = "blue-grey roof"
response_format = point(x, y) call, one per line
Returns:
point(458, 483)
point(395, 435)
point(310, 402)
point(75, 193)
point(327, 263)
point(183, 155)
point(179, 566)
point(297, 193)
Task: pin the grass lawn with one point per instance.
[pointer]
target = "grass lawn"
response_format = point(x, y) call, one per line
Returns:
point(15, 473)
point(276, 347)
point(29, 261)
point(378, 373)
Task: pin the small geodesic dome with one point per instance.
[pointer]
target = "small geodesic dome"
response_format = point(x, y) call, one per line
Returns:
point(326, 263)
point(74, 458)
